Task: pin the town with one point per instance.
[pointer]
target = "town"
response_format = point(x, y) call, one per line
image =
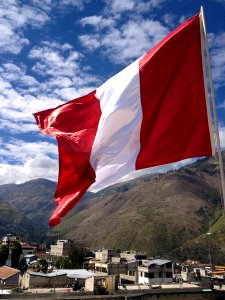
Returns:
point(69, 268)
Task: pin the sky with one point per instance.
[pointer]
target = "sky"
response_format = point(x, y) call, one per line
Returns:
point(52, 51)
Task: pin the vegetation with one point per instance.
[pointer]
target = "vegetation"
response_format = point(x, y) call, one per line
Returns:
point(75, 260)
point(16, 251)
point(22, 266)
point(63, 263)
point(4, 253)
point(42, 265)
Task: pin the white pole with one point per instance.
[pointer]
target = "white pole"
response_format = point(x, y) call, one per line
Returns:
point(207, 71)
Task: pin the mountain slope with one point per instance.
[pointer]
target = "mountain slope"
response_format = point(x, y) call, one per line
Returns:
point(158, 215)
point(33, 198)
point(13, 221)
point(162, 214)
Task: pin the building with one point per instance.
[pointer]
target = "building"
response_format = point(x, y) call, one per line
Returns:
point(77, 274)
point(42, 280)
point(156, 271)
point(10, 239)
point(127, 271)
point(110, 268)
point(30, 258)
point(28, 249)
point(105, 255)
point(9, 277)
point(132, 255)
point(61, 248)
point(97, 283)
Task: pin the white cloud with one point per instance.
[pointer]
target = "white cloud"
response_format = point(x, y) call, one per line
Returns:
point(222, 136)
point(217, 54)
point(72, 93)
point(118, 7)
point(33, 160)
point(16, 107)
point(79, 4)
point(54, 61)
point(44, 5)
point(20, 150)
point(65, 74)
point(169, 19)
point(99, 22)
point(17, 127)
point(19, 15)
point(38, 167)
point(121, 6)
point(11, 41)
point(128, 42)
point(12, 72)
point(13, 18)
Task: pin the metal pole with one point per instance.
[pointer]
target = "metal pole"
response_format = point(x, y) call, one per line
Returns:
point(207, 71)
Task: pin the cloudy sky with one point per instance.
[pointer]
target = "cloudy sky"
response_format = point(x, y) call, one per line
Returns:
point(52, 51)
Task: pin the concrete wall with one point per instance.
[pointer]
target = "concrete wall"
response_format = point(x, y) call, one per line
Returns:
point(61, 248)
point(135, 296)
point(13, 280)
point(89, 284)
point(111, 283)
point(160, 275)
point(31, 281)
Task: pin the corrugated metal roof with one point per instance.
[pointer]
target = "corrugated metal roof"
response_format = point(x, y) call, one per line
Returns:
point(53, 274)
point(78, 273)
point(158, 262)
point(73, 273)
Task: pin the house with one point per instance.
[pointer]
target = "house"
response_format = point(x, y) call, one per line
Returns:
point(110, 268)
point(61, 248)
point(127, 271)
point(156, 271)
point(104, 255)
point(42, 280)
point(28, 249)
point(9, 277)
point(77, 274)
point(132, 255)
point(99, 284)
point(9, 239)
point(194, 271)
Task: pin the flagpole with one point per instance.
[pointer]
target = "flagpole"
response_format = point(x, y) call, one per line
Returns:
point(208, 74)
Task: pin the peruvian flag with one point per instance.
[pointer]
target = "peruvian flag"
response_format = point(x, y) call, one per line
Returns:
point(153, 112)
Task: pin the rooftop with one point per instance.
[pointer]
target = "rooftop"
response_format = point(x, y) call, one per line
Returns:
point(158, 262)
point(6, 272)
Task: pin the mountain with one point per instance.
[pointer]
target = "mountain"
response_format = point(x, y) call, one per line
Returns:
point(165, 215)
point(13, 221)
point(33, 198)
point(34, 201)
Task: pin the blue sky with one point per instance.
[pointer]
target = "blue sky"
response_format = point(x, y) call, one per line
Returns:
point(52, 51)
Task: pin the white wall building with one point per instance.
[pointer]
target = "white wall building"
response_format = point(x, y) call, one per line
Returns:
point(156, 271)
point(104, 255)
point(61, 248)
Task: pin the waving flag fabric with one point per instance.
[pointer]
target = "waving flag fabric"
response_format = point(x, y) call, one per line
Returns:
point(153, 112)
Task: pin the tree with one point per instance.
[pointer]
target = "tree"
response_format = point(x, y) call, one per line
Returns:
point(4, 253)
point(63, 263)
point(16, 251)
point(76, 256)
point(42, 265)
point(22, 265)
